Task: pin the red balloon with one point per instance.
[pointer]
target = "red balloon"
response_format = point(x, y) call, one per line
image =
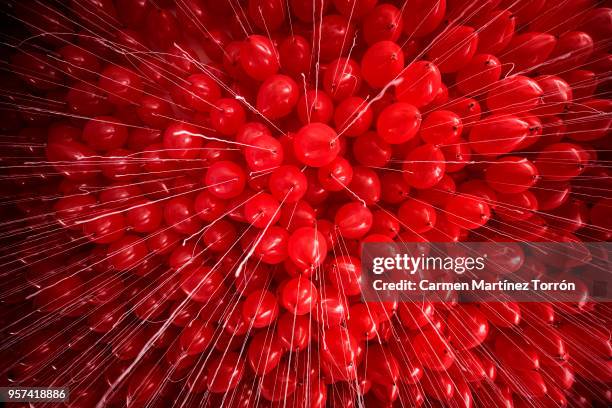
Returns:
point(514, 94)
point(299, 296)
point(454, 49)
point(127, 252)
point(307, 248)
point(433, 350)
point(398, 123)
point(384, 23)
point(420, 83)
point(498, 134)
point(315, 106)
point(417, 216)
point(264, 353)
point(316, 145)
point(260, 309)
point(382, 62)
point(424, 166)
point(353, 117)
point(259, 57)
point(224, 372)
point(342, 78)
point(295, 56)
point(441, 127)
point(466, 211)
point(228, 116)
point(344, 273)
point(196, 337)
point(293, 331)
point(225, 179)
point(354, 220)
point(277, 96)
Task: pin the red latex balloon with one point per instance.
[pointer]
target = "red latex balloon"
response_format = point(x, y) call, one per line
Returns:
point(224, 372)
point(122, 85)
point(398, 123)
point(511, 174)
point(277, 96)
point(353, 117)
point(338, 346)
point(479, 74)
point(424, 166)
point(420, 83)
point(200, 95)
point(332, 34)
point(316, 145)
point(342, 78)
point(295, 56)
point(424, 18)
point(468, 327)
point(527, 51)
point(260, 309)
point(354, 220)
point(417, 216)
point(454, 49)
point(179, 213)
point(225, 179)
point(370, 150)
point(105, 133)
point(344, 272)
point(196, 337)
point(365, 185)
point(363, 324)
point(561, 161)
point(267, 14)
point(336, 175)
point(382, 62)
point(227, 116)
point(315, 106)
point(182, 141)
point(127, 252)
point(433, 350)
point(202, 283)
point(264, 353)
point(272, 247)
point(307, 248)
point(259, 57)
point(299, 296)
point(384, 23)
point(498, 134)
point(440, 127)
point(263, 153)
point(468, 212)
point(514, 94)
point(294, 331)
point(288, 184)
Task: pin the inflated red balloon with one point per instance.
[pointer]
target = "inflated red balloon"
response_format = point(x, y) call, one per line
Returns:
point(260, 308)
point(398, 123)
point(307, 248)
point(511, 174)
point(424, 166)
point(259, 57)
point(454, 49)
point(419, 84)
point(277, 96)
point(354, 220)
point(316, 145)
point(265, 352)
point(299, 296)
point(382, 63)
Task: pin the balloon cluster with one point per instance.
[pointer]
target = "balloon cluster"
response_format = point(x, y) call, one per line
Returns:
point(188, 184)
